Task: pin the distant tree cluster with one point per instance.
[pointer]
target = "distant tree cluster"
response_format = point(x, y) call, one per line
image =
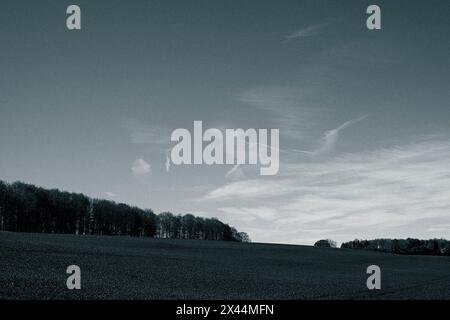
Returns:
point(189, 226)
point(325, 243)
point(435, 247)
point(27, 208)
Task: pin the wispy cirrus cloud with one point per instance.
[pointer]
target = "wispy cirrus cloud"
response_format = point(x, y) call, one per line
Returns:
point(148, 134)
point(235, 173)
point(284, 106)
point(239, 190)
point(306, 32)
point(378, 194)
point(439, 227)
point(328, 142)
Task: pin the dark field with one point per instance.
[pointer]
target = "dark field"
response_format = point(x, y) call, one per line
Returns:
point(32, 266)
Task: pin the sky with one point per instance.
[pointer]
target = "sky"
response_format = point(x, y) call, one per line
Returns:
point(92, 110)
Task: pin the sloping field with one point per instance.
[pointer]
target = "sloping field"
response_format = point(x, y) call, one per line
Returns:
point(33, 266)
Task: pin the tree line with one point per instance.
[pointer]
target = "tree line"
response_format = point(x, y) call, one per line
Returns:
point(435, 247)
point(28, 208)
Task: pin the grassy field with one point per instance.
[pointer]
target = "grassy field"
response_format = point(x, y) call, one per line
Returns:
point(32, 266)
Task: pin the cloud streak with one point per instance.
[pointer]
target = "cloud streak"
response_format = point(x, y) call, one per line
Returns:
point(235, 173)
point(148, 134)
point(328, 142)
point(167, 164)
point(306, 32)
point(284, 106)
